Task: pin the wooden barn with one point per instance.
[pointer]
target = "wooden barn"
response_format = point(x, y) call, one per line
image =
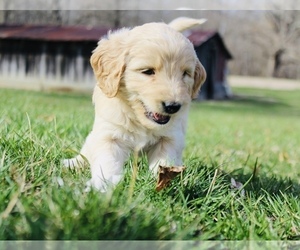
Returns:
point(214, 56)
point(45, 57)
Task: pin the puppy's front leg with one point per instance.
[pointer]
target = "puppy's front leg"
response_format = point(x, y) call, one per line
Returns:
point(166, 152)
point(107, 167)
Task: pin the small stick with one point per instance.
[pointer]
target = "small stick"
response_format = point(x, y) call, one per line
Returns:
point(134, 174)
point(212, 184)
point(13, 201)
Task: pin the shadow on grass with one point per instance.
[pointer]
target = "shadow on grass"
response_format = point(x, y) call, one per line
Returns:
point(266, 105)
point(254, 183)
point(261, 184)
point(260, 101)
point(214, 196)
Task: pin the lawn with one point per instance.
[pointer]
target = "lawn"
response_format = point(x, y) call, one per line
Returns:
point(253, 140)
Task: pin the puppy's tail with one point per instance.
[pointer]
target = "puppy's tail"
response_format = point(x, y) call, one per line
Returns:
point(183, 23)
point(76, 162)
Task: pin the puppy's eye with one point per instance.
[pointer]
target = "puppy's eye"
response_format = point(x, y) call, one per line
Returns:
point(148, 72)
point(186, 73)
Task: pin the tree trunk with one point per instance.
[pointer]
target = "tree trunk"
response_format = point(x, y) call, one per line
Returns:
point(278, 62)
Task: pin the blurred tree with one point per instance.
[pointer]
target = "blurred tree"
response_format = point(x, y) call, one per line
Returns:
point(284, 34)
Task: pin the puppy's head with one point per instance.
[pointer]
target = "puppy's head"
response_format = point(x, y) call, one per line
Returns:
point(153, 68)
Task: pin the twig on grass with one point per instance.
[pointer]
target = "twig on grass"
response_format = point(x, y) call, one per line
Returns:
point(2, 159)
point(15, 198)
point(212, 184)
point(134, 175)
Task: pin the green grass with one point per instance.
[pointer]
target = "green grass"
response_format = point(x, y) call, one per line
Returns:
point(253, 139)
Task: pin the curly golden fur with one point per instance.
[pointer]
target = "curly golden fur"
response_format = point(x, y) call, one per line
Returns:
point(146, 79)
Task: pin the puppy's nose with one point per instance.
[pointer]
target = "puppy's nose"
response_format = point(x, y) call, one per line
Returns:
point(171, 107)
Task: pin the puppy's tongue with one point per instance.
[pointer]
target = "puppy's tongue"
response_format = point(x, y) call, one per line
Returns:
point(158, 116)
point(162, 119)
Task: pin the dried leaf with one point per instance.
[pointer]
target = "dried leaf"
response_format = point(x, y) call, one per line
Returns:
point(166, 174)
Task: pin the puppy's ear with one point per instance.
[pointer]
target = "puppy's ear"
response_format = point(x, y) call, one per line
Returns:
point(184, 23)
point(199, 79)
point(108, 63)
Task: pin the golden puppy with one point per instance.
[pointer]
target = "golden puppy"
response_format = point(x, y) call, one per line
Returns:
point(146, 79)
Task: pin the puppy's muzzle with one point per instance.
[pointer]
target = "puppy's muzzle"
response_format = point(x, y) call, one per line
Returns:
point(171, 107)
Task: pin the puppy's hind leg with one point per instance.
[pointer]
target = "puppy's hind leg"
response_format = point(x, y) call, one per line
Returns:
point(78, 161)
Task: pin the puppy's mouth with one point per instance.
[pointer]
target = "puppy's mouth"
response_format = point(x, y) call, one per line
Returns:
point(156, 117)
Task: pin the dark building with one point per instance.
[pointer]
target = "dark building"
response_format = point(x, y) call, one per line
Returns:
point(214, 56)
point(57, 56)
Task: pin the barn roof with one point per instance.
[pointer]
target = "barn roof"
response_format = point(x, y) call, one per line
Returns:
point(198, 37)
point(86, 33)
point(52, 33)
